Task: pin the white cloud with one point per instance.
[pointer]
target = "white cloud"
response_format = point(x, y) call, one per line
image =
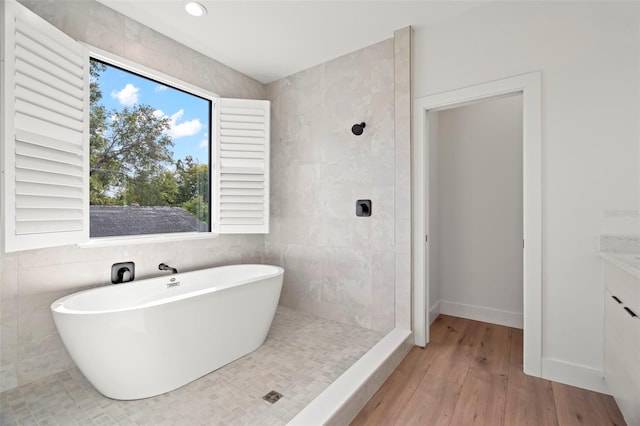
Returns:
point(127, 96)
point(160, 88)
point(204, 143)
point(177, 115)
point(186, 128)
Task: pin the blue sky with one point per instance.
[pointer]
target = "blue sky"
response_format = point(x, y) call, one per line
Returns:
point(188, 114)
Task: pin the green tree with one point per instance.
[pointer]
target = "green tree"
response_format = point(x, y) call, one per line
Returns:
point(193, 179)
point(99, 183)
point(134, 142)
point(126, 143)
point(145, 190)
point(193, 193)
point(198, 207)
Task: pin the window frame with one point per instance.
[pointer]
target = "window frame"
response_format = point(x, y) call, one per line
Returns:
point(162, 78)
point(45, 144)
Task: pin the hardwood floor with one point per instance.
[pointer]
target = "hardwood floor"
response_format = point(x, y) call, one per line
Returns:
point(471, 374)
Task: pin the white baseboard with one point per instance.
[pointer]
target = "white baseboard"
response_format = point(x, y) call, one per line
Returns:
point(434, 312)
point(481, 313)
point(574, 375)
point(552, 369)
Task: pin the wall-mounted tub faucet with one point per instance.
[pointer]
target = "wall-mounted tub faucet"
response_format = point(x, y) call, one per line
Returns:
point(165, 267)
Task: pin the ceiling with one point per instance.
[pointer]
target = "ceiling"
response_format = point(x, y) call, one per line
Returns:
point(268, 40)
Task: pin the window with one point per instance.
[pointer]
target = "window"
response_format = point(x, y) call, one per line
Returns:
point(52, 175)
point(149, 155)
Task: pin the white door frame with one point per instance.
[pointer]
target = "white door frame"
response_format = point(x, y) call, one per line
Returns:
point(530, 87)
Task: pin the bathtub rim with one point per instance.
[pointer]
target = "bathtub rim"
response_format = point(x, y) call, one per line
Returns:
point(58, 307)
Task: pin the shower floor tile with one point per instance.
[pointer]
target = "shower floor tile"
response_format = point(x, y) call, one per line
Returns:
point(302, 355)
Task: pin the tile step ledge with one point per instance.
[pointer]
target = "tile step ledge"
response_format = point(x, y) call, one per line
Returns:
point(340, 402)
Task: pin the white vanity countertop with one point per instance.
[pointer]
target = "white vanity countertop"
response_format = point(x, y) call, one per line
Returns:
point(623, 251)
point(630, 262)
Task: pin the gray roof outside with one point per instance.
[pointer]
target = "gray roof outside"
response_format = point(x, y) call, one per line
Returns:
point(110, 221)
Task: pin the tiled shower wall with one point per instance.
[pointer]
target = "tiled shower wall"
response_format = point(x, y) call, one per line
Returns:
point(339, 266)
point(30, 347)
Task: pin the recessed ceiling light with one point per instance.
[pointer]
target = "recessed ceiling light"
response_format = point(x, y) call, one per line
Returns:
point(195, 9)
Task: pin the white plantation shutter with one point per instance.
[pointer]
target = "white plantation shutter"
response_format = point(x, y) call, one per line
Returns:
point(45, 83)
point(241, 194)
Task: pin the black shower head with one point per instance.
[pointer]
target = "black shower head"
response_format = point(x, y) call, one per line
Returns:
point(357, 129)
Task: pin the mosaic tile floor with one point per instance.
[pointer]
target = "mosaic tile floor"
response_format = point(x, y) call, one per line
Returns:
point(302, 355)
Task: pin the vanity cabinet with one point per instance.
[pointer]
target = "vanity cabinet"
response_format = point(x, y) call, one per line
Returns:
point(622, 340)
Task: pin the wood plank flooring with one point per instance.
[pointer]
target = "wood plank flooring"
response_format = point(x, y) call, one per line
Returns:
point(471, 374)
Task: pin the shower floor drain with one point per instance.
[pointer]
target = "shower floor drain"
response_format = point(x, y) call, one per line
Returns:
point(272, 397)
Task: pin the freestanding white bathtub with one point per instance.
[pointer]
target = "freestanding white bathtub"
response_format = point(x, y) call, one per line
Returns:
point(148, 337)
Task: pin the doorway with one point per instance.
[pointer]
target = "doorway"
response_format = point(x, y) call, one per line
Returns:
point(475, 215)
point(425, 109)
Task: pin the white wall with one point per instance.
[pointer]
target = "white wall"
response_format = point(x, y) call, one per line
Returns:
point(30, 347)
point(588, 53)
point(478, 200)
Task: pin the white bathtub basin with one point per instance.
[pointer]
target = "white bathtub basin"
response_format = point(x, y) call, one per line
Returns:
point(149, 337)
